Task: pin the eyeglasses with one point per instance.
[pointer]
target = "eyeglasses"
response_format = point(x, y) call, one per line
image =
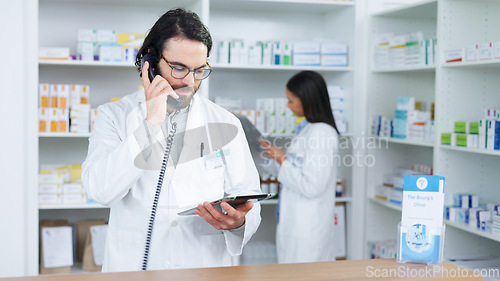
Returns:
point(179, 72)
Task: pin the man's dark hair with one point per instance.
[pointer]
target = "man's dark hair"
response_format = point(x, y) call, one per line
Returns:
point(174, 23)
point(310, 88)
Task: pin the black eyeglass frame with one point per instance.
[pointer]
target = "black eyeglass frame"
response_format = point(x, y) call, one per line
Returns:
point(209, 69)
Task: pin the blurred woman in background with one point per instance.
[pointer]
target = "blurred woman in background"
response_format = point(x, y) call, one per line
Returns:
point(307, 173)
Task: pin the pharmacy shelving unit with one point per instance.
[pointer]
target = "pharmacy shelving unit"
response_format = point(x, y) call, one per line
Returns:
point(384, 86)
point(284, 21)
point(249, 20)
point(106, 81)
point(386, 204)
point(395, 208)
point(463, 91)
point(406, 142)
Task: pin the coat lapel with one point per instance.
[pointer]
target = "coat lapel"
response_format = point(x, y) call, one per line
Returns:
point(195, 132)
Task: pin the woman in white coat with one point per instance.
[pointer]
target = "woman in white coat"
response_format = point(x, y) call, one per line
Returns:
point(307, 174)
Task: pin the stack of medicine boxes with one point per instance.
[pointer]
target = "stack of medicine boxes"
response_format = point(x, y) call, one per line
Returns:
point(410, 123)
point(466, 210)
point(338, 104)
point(65, 108)
point(80, 110)
point(301, 53)
point(60, 184)
point(101, 43)
point(484, 134)
point(279, 119)
point(391, 189)
point(405, 50)
point(467, 134)
point(53, 113)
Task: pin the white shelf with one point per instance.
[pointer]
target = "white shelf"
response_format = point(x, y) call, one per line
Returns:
point(418, 9)
point(471, 150)
point(346, 135)
point(312, 6)
point(407, 142)
point(275, 136)
point(269, 202)
point(473, 230)
point(461, 226)
point(71, 207)
point(425, 68)
point(279, 67)
point(171, 3)
point(64, 135)
point(85, 63)
point(474, 64)
point(97, 206)
point(343, 199)
point(386, 204)
point(337, 200)
point(214, 66)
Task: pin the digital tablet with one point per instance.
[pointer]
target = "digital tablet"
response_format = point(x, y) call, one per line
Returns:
point(251, 133)
point(232, 200)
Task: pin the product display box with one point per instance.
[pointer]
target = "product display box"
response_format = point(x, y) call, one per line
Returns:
point(421, 231)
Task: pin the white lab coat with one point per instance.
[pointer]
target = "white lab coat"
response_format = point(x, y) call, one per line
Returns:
point(308, 176)
point(111, 178)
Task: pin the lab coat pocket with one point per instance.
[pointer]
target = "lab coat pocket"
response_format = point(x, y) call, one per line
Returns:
point(215, 177)
point(214, 251)
point(193, 183)
point(126, 250)
point(214, 182)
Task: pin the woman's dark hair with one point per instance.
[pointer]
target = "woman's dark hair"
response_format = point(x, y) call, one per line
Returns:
point(174, 23)
point(310, 88)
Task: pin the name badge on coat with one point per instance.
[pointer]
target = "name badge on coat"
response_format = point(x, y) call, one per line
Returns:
point(215, 160)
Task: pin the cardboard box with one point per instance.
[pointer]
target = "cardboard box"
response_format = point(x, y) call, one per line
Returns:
point(485, 51)
point(454, 55)
point(53, 53)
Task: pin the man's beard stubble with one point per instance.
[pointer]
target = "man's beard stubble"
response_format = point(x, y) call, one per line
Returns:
point(186, 94)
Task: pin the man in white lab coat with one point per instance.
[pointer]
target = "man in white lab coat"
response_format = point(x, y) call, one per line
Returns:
point(209, 158)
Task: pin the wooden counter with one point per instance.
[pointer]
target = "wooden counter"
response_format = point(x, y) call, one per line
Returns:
point(381, 269)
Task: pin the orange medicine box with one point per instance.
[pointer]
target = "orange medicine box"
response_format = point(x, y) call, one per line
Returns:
point(74, 94)
point(84, 94)
point(64, 120)
point(53, 95)
point(44, 95)
point(93, 114)
point(43, 119)
point(62, 95)
point(54, 114)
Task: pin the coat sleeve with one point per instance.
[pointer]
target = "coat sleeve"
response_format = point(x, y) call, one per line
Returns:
point(109, 170)
point(310, 177)
point(245, 180)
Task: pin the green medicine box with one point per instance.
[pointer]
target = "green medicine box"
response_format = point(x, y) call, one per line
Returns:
point(474, 128)
point(462, 140)
point(446, 138)
point(460, 127)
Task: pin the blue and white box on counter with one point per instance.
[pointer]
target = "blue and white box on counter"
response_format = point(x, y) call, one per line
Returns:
point(421, 227)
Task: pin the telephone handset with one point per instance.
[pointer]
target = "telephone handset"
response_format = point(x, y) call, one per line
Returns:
point(171, 102)
point(174, 104)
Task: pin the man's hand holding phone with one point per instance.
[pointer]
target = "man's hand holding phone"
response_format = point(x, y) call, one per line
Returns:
point(156, 92)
